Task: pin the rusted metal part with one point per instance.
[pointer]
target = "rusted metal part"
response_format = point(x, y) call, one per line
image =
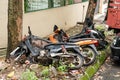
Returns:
point(113, 17)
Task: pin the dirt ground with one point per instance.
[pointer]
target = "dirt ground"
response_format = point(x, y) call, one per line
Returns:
point(108, 71)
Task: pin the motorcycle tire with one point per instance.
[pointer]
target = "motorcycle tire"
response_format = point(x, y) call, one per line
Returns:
point(89, 55)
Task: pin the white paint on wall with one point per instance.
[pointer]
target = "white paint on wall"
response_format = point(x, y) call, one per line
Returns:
point(42, 22)
point(3, 23)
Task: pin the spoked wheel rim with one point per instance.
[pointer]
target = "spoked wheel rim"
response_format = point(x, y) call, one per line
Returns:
point(89, 56)
point(71, 60)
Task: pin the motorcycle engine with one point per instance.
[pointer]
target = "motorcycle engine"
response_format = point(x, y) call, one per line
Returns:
point(41, 54)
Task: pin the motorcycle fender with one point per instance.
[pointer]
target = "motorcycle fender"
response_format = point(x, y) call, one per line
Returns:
point(93, 31)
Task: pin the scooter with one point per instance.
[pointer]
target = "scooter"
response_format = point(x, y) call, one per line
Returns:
point(38, 50)
point(89, 51)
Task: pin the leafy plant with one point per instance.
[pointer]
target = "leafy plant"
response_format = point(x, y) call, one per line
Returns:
point(71, 65)
point(45, 72)
point(45, 78)
point(28, 75)
point(62, 68)
point(100, 27)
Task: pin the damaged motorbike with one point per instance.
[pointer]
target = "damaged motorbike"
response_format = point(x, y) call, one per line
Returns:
point(41, 51)
point(88, 49)
point(90, 32)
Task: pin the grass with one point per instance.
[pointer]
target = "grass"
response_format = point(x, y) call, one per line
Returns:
point(45, 72)
point(85, 77)
point(28, 75)
point(91, 70)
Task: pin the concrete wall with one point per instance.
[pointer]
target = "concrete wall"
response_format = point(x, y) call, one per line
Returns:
point(42, 22)
point(3, 23)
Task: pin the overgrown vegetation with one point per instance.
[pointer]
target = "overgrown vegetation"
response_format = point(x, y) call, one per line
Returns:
point(91, 70)
point(45, 72)
point(62, 68)
point(100, 27)
point(28, 75)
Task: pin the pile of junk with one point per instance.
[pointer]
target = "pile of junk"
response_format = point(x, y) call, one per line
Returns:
point(74, 51)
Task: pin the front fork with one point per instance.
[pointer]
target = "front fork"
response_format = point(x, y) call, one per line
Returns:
point(13, 52)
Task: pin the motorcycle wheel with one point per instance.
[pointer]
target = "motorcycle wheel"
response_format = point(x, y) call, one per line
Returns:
point(89, 55)
point(71, 60)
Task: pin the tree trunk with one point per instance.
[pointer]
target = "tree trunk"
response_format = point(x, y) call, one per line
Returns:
point(90, 10)
point(15, 15)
